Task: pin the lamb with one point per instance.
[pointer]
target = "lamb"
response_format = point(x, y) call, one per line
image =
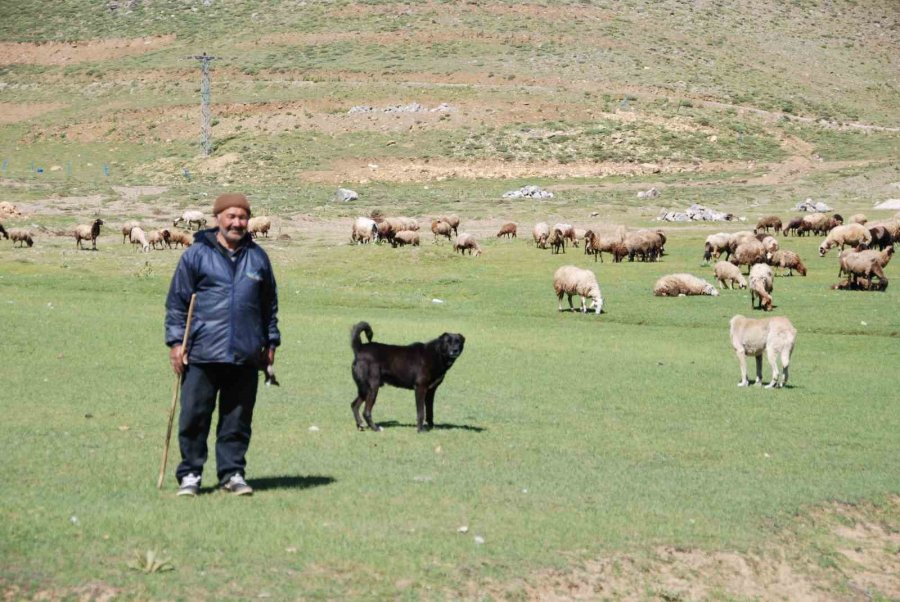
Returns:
point(769, 221)
point(786, 259)
point(571, 280)
point(540, 233)
point(88, 232)
point(191, 217)
point(160, 237)
point(865, 264)
point(557, 241)
point(850, 234)
point(761, 282)
point(453, 220)
point(405, 237)
point(364, 230)
point(259, 225)
point(749, 253)
point(139, 237)
point(677, 285)
point(466, 242)
point(775, 336)
point(729, 273)
point(180, 237)
point(126, 229)
point(441, 228)
point(858, 218)
point(508, 230)
point(20, 236)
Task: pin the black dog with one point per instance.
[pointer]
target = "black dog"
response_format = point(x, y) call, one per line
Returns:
point(420, 366)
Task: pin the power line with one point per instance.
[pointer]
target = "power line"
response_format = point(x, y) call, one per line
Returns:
point(205, 95)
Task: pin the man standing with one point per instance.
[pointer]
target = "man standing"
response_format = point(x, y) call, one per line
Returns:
point(234, 332)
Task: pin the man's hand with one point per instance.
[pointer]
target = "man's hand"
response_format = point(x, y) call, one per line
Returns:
point(178, 359)
point(267, 356)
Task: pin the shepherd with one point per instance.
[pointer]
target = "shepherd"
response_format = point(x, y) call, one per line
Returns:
point(234, 334)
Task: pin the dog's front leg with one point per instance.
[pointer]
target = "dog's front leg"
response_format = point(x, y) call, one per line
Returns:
point(742, 360)
point(429, 408)
point(759, 370)
point(421, 394)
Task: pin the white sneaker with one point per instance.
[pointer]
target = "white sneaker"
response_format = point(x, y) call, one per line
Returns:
point(190, 485)
point(237, 485)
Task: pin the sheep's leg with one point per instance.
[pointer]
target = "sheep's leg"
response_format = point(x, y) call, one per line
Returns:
point(759, 370)
point(560, 297)
point(429, 408)
point(742, 360)
point(421, 394)
point(583, 305)
point(571, 307)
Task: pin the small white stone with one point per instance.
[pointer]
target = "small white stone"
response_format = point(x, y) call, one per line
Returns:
point(313, 429)
point(863, 323)
point(463, 529)
point(437, 300)
point(479, 540)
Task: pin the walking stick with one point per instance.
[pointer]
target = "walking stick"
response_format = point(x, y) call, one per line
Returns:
point(187, 329)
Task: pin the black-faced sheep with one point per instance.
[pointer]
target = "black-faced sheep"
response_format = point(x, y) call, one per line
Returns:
point(20, 236)
point(792, 226)
point(88, 232)
point(769, 221)
point(259, 225)
point(508, 230)
point(786, 259)
point(676, 285)
point(848, 234)
point(728, 273)
point(571, 280)
point(540, 233)
point(568, 232)
point(466, 242)
point(715, 245)
point(160, 237)
point(557, 241)
point(441, 228)
point(761, 282)
point(405, 237)
point(191, 217)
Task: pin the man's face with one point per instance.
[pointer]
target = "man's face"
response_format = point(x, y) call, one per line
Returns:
point(233, 224)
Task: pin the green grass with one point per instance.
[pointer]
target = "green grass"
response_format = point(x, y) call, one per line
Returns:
point(559, 434)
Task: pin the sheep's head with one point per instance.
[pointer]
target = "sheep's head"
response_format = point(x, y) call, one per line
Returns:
point(597, 303)
point(710, 290)
point(823, 248)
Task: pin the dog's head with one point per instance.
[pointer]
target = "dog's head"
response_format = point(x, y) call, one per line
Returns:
point(451, 345)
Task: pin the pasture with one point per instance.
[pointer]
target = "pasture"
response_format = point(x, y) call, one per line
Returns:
point(563, 438)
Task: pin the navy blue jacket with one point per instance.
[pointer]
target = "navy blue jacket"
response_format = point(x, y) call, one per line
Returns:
point(236, 312)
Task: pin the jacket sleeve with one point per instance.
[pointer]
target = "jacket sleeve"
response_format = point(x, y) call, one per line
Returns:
point(269, 303)
point(179, 298)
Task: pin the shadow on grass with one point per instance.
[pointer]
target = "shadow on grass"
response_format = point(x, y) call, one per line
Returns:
point(438, 427)
point(289, 482)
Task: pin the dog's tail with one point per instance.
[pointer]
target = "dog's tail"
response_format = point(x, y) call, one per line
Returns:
point(355, 339)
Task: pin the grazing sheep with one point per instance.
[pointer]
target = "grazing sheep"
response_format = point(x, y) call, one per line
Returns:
point(647, 244)
point(570, 280)
point(786, 259)
point(126, 229)
point(817, 223)
point(595, 244)
point(858, 218)
point(770, 244)
point(139, 237)
point(715, 245)
point(676, 285)
point(540, 233)
point(568, 232)
point(20, 236)
point(259, 225)
point(761, 282)
point(364, 231)
point(453, 220)
point(508, 230)
point(891, 226)
point(849, 234)
point(160, 237)
point(775, 336)
point(384, 231)
point(441, 228)
point(88, 232)
point(769, 221)
point(191, 217)
point(557, 241)
point(180, 237)
point(792, 226)
point(748, 253)
point(405, 237)
point(881, 238)
point(407, 223)
point(466, 242)
point(726, 273)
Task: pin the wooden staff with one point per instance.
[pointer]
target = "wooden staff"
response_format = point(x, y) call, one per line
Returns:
point(184, 356)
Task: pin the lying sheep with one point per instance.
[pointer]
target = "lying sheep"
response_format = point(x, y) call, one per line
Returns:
point(259, 225)
point(786, 259)
point(453, 220)
point(676, 285)
point(363, 231)
point(775, 336)
point(769, 221)
point(139, 237)
point(571, 280)
point(508, 230)
point(749, 253)
point(160, 237)
point(441, 228)
point(180, 237)
point(466, 242)
point(126, 229)
point(728, 273)
point(849, 234)
point(20, 236)
point(540, 233)
point(88, 232)
point(191, 217)
point(405, 237)
point(761, 282)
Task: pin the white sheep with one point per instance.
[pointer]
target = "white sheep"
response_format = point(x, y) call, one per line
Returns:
point(848, 234)
point(677, 285)
point(729, 274)
point(139, 237)
point(364, 231)
point(191, 217)
point(769, 243)
point(571, 280)
point(20, 236)
point(716, 244)
point(540, 233)
point(466, 242)
point(858, 218)
point(761, 282)
point(259, 225)
point(88, 232)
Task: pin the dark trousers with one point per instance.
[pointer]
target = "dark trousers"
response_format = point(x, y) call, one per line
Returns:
point(235, 386)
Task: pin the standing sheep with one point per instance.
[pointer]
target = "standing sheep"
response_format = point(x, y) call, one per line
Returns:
point(139, 237)
point(364, 230)
point(726, 273)
point(453, 220)
point(441, 228)
point(557, 241)
point(858, 218)
point(126, 229)
point(540, 233)
point(160, 237)
point(769, 221)
point(749, 253)
point(677, 285)
point(191, 217)
point(761, 282)
point(571, 280)
point(715, 245)
point(850, 234)
point(786, 259)
point(20, 236)
point(88, 232)
point(508, 230)
point(180, 237)
point(405, 237)
point(775, 336)
point(466, 242)
point(793, 224)
point(259, 225)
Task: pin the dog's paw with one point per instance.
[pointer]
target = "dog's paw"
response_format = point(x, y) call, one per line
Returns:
point(743, 383)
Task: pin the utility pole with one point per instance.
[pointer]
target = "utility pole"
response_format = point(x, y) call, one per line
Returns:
point(205, 111)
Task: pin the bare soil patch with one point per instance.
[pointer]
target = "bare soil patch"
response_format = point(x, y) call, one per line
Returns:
point(14, 112)
point(67, 53)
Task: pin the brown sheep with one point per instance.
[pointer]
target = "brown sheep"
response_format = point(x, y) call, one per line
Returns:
point(557, 241)
point(126, 229)
point(466, 242)
point(865, 264)
point(881, 237)
point(405, 237)
point(453, 220)
point(160, 237)
point(508, 230)
point(540, 233)
point(441, 228)
point(180, 237)
point(749, 253)
point(88, 232)
point(769, 221)
point(786, 259)
point(646, 243)
point(20, 236)
point(792, 226)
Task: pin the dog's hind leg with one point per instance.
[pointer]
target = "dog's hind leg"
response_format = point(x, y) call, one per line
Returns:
point(367, 413)
point(785, 362)
point(355, 407)
point(773, 364)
